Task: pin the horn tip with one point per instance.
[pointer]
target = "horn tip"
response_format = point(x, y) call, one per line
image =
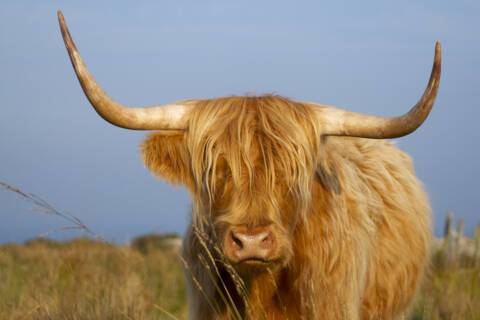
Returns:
point(65, 33)
point(438, 52)
point(61, 19)
point(438, 47)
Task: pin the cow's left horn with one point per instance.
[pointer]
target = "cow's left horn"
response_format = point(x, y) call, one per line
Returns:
point(339, 122)
point(167, 117)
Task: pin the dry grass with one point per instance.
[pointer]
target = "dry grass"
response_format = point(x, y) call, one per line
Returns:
point(85, 279)
point(449, 291)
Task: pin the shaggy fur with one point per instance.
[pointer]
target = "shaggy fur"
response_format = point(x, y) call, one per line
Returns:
point(351, 218)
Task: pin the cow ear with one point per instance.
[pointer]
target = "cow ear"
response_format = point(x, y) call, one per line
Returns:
point(166, 156)
point(328, 179)
point(326, 172)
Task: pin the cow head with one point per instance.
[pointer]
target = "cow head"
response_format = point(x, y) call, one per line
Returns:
point(248, 162)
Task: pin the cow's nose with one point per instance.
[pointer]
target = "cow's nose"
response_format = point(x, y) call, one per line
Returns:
point(245, 243)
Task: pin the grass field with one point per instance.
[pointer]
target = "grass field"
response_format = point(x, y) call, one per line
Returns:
point(86, 279)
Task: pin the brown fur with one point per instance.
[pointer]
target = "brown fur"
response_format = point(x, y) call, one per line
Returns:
point(353, 221)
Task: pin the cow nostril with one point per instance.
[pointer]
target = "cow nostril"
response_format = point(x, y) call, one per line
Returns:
point(266, 240)
point(265, 237)
point(237, 242)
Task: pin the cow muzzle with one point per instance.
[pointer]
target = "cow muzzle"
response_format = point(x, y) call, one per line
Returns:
point(250, 246)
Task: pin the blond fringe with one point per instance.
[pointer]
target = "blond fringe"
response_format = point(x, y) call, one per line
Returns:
point(254, 140)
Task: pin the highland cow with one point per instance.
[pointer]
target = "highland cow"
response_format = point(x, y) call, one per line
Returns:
point(300, 210)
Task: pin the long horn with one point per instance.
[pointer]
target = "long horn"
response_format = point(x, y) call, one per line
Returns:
point(338, 122)
point(167, 117)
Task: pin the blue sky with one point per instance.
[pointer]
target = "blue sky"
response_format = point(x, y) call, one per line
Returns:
point(366, 56)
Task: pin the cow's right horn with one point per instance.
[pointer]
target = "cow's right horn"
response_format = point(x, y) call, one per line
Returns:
point(340, 122)
point(166, 117)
